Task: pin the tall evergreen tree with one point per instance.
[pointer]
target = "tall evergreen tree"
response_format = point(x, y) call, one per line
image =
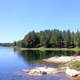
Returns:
point(51, 38)
point(32, 40)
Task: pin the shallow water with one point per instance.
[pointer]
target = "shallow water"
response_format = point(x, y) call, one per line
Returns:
point(60, 76)
point(12, 61)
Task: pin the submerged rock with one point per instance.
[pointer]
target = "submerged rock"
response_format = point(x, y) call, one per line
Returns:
point(44, 73)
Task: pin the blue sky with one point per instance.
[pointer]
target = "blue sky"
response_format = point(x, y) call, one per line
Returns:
point(18, 17)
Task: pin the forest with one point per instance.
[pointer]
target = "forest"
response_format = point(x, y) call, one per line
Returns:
point(50, 39)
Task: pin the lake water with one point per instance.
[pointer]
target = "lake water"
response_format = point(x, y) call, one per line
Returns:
point(12, 62)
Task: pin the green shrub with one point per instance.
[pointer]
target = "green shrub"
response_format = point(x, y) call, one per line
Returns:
point(75, 65)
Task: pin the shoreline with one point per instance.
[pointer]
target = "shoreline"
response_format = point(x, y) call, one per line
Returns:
point(47, 49)
point(71, 74)
point(62, 59)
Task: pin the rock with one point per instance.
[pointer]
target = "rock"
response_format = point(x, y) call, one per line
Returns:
point(61, 59)
point(39, 71)
point(26, 71)
point(76, 78)
point(71, 72)
point(44, 73)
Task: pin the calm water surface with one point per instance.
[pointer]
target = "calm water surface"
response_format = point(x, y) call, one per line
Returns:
point(11, 62)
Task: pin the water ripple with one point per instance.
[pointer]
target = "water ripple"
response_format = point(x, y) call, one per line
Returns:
point(60, 76)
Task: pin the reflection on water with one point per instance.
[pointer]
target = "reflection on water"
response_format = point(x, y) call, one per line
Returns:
point(12, 61)
point(36, 57)
point(39, 55)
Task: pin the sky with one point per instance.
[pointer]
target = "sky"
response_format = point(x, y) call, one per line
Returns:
point(18, 17)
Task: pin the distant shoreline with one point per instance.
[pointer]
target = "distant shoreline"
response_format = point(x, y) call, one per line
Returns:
point(48, 49)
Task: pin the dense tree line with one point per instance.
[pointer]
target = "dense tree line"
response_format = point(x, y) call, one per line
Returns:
point(6, 44)
point(50, 38)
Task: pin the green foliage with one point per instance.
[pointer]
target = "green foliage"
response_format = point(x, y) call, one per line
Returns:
point(31, 40)
point(14, 43)
point(50, 39)
point(75, 65)
point(6, 44)
point(78, 39)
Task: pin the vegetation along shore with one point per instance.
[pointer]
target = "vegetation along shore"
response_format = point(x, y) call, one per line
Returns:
point(50, 40)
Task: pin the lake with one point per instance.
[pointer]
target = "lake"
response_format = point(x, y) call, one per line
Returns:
point(12, 62)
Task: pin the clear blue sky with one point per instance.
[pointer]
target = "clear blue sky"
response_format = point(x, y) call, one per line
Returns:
point(18, 17)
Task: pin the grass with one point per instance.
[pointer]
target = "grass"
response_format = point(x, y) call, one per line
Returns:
point(49, 49)
point(75, 65)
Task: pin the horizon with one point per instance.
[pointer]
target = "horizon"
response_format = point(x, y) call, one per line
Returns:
point(18, 17)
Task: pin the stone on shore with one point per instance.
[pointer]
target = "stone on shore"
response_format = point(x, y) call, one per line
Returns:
point(76, 78)
point(72, 72)
point(39, 71)
point(62, 59)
